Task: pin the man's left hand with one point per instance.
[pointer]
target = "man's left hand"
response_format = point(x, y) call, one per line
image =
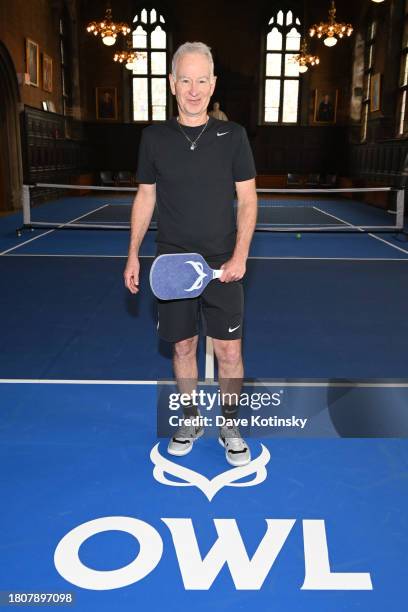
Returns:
point(233, 269)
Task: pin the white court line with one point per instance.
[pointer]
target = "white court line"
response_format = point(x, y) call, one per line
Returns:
point(394, 246)
point(272, 257)
point(328, 191)
point(272, 383)
point(52, 230)
point(389, 243)
point(209, 359)
point(324, 212)
point(51, 381)
point(26, 242)
point(335, 258)
point(83, 187)
point(74, 255)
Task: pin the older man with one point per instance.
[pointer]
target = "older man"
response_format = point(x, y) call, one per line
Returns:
point(191, 166)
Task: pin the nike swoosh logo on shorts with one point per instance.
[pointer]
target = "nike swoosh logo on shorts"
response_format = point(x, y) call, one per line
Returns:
point(222, 133)
point(232, 329)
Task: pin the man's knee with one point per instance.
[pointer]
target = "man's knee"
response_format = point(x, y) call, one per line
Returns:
point(228, 351)
point(185, 348)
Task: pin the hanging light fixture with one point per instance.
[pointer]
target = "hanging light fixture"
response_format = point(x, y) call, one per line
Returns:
point(378, 1)
point(127, 57)
point(107, 29)
point(305, 59)
point(331, 30)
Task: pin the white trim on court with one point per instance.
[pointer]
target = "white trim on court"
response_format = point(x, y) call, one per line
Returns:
point(272, 257)
point(209, 371)
point(394, 246)
point(51, 381)
point(93, 187)
point(272, 383)
point(389, 243)
point(17, 246)
point(328, 191)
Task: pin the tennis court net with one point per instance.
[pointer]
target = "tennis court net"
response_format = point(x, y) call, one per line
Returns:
point(374, 209)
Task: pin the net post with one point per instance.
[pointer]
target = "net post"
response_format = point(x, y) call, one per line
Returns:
point(400, 208)
point(26, 205)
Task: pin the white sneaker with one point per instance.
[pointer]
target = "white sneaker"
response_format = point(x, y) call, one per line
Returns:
point(182, 441)
point(236, 449)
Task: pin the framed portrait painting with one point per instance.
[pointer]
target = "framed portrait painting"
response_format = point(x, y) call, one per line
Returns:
point(106, 103)
point(325, 106)
point(47, 72)
point(33, 62)
point(375, 93)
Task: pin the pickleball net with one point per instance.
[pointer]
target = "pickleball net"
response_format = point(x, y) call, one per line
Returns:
point(371, 209)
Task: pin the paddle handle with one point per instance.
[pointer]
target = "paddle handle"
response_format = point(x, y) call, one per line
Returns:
point(217, 273)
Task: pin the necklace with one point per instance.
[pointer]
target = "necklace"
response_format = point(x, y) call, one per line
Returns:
point(193, 143)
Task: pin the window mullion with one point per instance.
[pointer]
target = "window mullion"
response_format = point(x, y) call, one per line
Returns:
point(149, 75)
point(282, 91)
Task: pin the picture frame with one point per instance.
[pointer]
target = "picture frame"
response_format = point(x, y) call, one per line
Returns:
point(33, 62)
point(106, 104)
point(325, 106)
point(375, 92)
point(47, 73)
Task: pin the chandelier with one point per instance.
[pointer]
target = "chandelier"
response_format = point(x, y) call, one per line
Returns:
point(305, 59)
point(331, 30)
point(107, 28)
point(127, 57)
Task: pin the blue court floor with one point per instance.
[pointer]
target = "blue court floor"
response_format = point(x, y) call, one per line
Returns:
point(92, 506)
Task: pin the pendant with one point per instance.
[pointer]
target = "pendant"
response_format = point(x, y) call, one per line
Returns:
point(193, 146)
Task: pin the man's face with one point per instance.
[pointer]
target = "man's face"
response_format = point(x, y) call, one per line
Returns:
point(194, 85)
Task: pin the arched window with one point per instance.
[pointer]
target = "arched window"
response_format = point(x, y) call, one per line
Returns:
point(403, 83)
point(368, 74)
point(65, 56)
point(149, 82)
point(281, 73)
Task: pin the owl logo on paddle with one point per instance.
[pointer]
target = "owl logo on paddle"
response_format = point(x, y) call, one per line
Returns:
point(198, 283)
point(187, 477)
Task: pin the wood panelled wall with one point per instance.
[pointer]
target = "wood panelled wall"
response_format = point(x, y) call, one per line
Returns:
point(49, 156)
point(380, 162)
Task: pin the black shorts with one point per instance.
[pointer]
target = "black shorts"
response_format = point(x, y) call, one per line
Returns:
point(218, 312)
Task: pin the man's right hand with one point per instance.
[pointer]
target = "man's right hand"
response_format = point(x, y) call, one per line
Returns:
point(131, 274)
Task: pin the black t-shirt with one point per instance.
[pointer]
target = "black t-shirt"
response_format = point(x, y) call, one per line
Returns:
point(195, 190)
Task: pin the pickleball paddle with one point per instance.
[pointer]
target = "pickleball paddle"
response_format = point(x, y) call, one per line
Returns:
point(180, 275)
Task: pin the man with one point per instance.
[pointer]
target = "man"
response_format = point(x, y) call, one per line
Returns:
point(217, 113)
point(192, 165)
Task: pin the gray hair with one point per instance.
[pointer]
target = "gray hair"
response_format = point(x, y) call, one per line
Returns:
point(192, 47)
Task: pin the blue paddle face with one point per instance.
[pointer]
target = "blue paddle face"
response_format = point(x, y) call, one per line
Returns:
point(179, 276)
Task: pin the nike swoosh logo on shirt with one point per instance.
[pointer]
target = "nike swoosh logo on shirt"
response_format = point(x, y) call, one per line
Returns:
point(222, 133)
point(232, 329)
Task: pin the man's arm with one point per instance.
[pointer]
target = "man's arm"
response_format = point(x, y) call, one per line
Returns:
point(234, 269)
point(142, 212)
